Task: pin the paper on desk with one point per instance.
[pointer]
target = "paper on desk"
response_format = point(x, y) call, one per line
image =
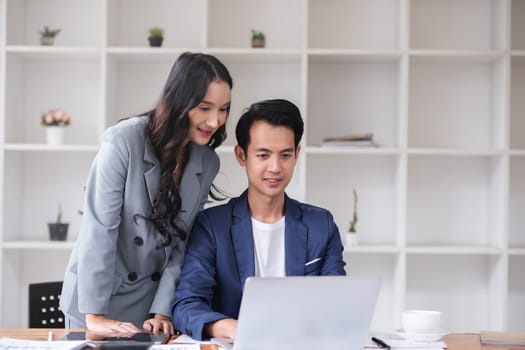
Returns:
point(398, 343)
point(193, 346)
point(20, 344)
point(183, 342)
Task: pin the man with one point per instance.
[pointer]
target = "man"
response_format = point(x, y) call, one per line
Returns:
point(261, 233)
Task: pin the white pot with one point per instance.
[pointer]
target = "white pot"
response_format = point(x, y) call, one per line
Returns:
point(55, 135)
point(350, 239)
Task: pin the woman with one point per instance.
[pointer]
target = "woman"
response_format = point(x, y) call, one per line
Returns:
point(150, 178)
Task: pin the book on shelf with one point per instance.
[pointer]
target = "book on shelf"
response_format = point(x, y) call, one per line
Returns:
point(502, 338)
point(355, 140)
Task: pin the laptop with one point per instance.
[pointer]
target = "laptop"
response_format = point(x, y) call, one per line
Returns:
point(322, 312)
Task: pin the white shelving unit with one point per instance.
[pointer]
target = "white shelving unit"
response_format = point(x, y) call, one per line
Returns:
point(440, 83)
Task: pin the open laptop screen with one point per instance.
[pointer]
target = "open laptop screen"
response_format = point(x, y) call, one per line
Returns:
point(324, 312)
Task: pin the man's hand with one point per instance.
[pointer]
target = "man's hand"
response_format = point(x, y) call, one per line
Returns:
point(159, 324)
point(102, 324)
point(225, 328)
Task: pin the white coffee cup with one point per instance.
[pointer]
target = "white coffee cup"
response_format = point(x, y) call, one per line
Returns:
point(421, 321)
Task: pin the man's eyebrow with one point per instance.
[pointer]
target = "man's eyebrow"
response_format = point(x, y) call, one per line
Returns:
point(263, 149)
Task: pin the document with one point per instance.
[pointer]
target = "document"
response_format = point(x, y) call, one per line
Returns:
point(20, 344)
point(175, 346)
point(397, 343)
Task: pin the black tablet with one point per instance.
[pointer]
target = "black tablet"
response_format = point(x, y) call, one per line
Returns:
point(132, 338)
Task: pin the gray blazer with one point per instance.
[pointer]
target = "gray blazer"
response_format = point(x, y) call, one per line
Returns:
point(118, 266)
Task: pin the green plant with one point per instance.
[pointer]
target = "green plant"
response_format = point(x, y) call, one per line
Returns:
point(156, 32)
point(256, 35)
point(59, 215)
point(49, 32)
point(352, 229)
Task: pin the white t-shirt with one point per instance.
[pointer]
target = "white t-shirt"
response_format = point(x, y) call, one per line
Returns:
point(268, 242)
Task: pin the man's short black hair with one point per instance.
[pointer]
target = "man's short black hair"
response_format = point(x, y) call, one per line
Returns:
point(277, 112)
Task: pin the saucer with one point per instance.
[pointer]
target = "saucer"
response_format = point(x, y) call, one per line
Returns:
point(420, 337)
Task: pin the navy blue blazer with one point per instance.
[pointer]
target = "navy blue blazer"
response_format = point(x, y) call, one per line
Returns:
point(220, 257)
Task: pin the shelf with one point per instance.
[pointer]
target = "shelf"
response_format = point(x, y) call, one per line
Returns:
point(458, 207)
point(517, 27)
point(360, 86)
point(517, 251)
point(449, 282)
point(128, 22)
point(373, 178)
point(26, 18)
point(375, 249)
point(352, 56)
point(516, 316)
point(281, 22)
point(463, 25)
point(445, 100)
point(38, 245)
point(455, 56)
point(516, 204)
point(381, 151)
point(354, 24)
point(454, 152)
point(453, 250)
point(517, 103)
point(39, 147)
point(385, 267)
point(52, 52)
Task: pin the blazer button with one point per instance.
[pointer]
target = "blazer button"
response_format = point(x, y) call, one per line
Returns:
point(139, 241)
point(132, 276)
point(155, 276)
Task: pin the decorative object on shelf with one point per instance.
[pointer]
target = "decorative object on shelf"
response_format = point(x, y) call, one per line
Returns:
point(351, 235)
point(156, 36)
point(47, 36)
point(258, 39)
point(58, 229)
point(55, 120)
point(354, 140)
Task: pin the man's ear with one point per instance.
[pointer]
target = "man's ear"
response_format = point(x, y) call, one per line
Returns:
point(240, 155)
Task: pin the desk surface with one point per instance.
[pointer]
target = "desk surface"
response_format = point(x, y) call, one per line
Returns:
point(454, 341)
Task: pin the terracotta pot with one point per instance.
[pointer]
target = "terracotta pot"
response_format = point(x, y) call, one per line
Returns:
point(47, 40)
point(258, 42)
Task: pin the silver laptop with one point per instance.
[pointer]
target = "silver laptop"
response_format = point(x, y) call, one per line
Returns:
point(323, 312)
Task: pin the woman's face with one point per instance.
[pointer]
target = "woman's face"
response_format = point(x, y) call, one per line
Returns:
point(210, 114)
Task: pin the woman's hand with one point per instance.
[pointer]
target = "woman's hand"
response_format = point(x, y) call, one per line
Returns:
point(159, 324)
point(102, 324)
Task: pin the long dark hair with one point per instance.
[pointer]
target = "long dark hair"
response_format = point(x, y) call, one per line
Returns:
point(167, 130)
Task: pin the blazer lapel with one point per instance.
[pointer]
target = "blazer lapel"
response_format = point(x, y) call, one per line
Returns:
point(242, 239)
point(190, 185)
point(152, 175)
point(295, 239)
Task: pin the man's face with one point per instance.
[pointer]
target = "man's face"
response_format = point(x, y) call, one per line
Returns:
point(270, 159)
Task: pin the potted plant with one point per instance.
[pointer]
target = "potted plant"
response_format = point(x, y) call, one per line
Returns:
point(351, 235)
point(47, 36)
point(156, 35)
point(58, 229)
point(258, 39)
point(55, 120)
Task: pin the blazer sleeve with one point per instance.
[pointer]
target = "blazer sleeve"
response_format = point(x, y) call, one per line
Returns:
point(194, 294)
point(333, 263)
point(100, 222)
